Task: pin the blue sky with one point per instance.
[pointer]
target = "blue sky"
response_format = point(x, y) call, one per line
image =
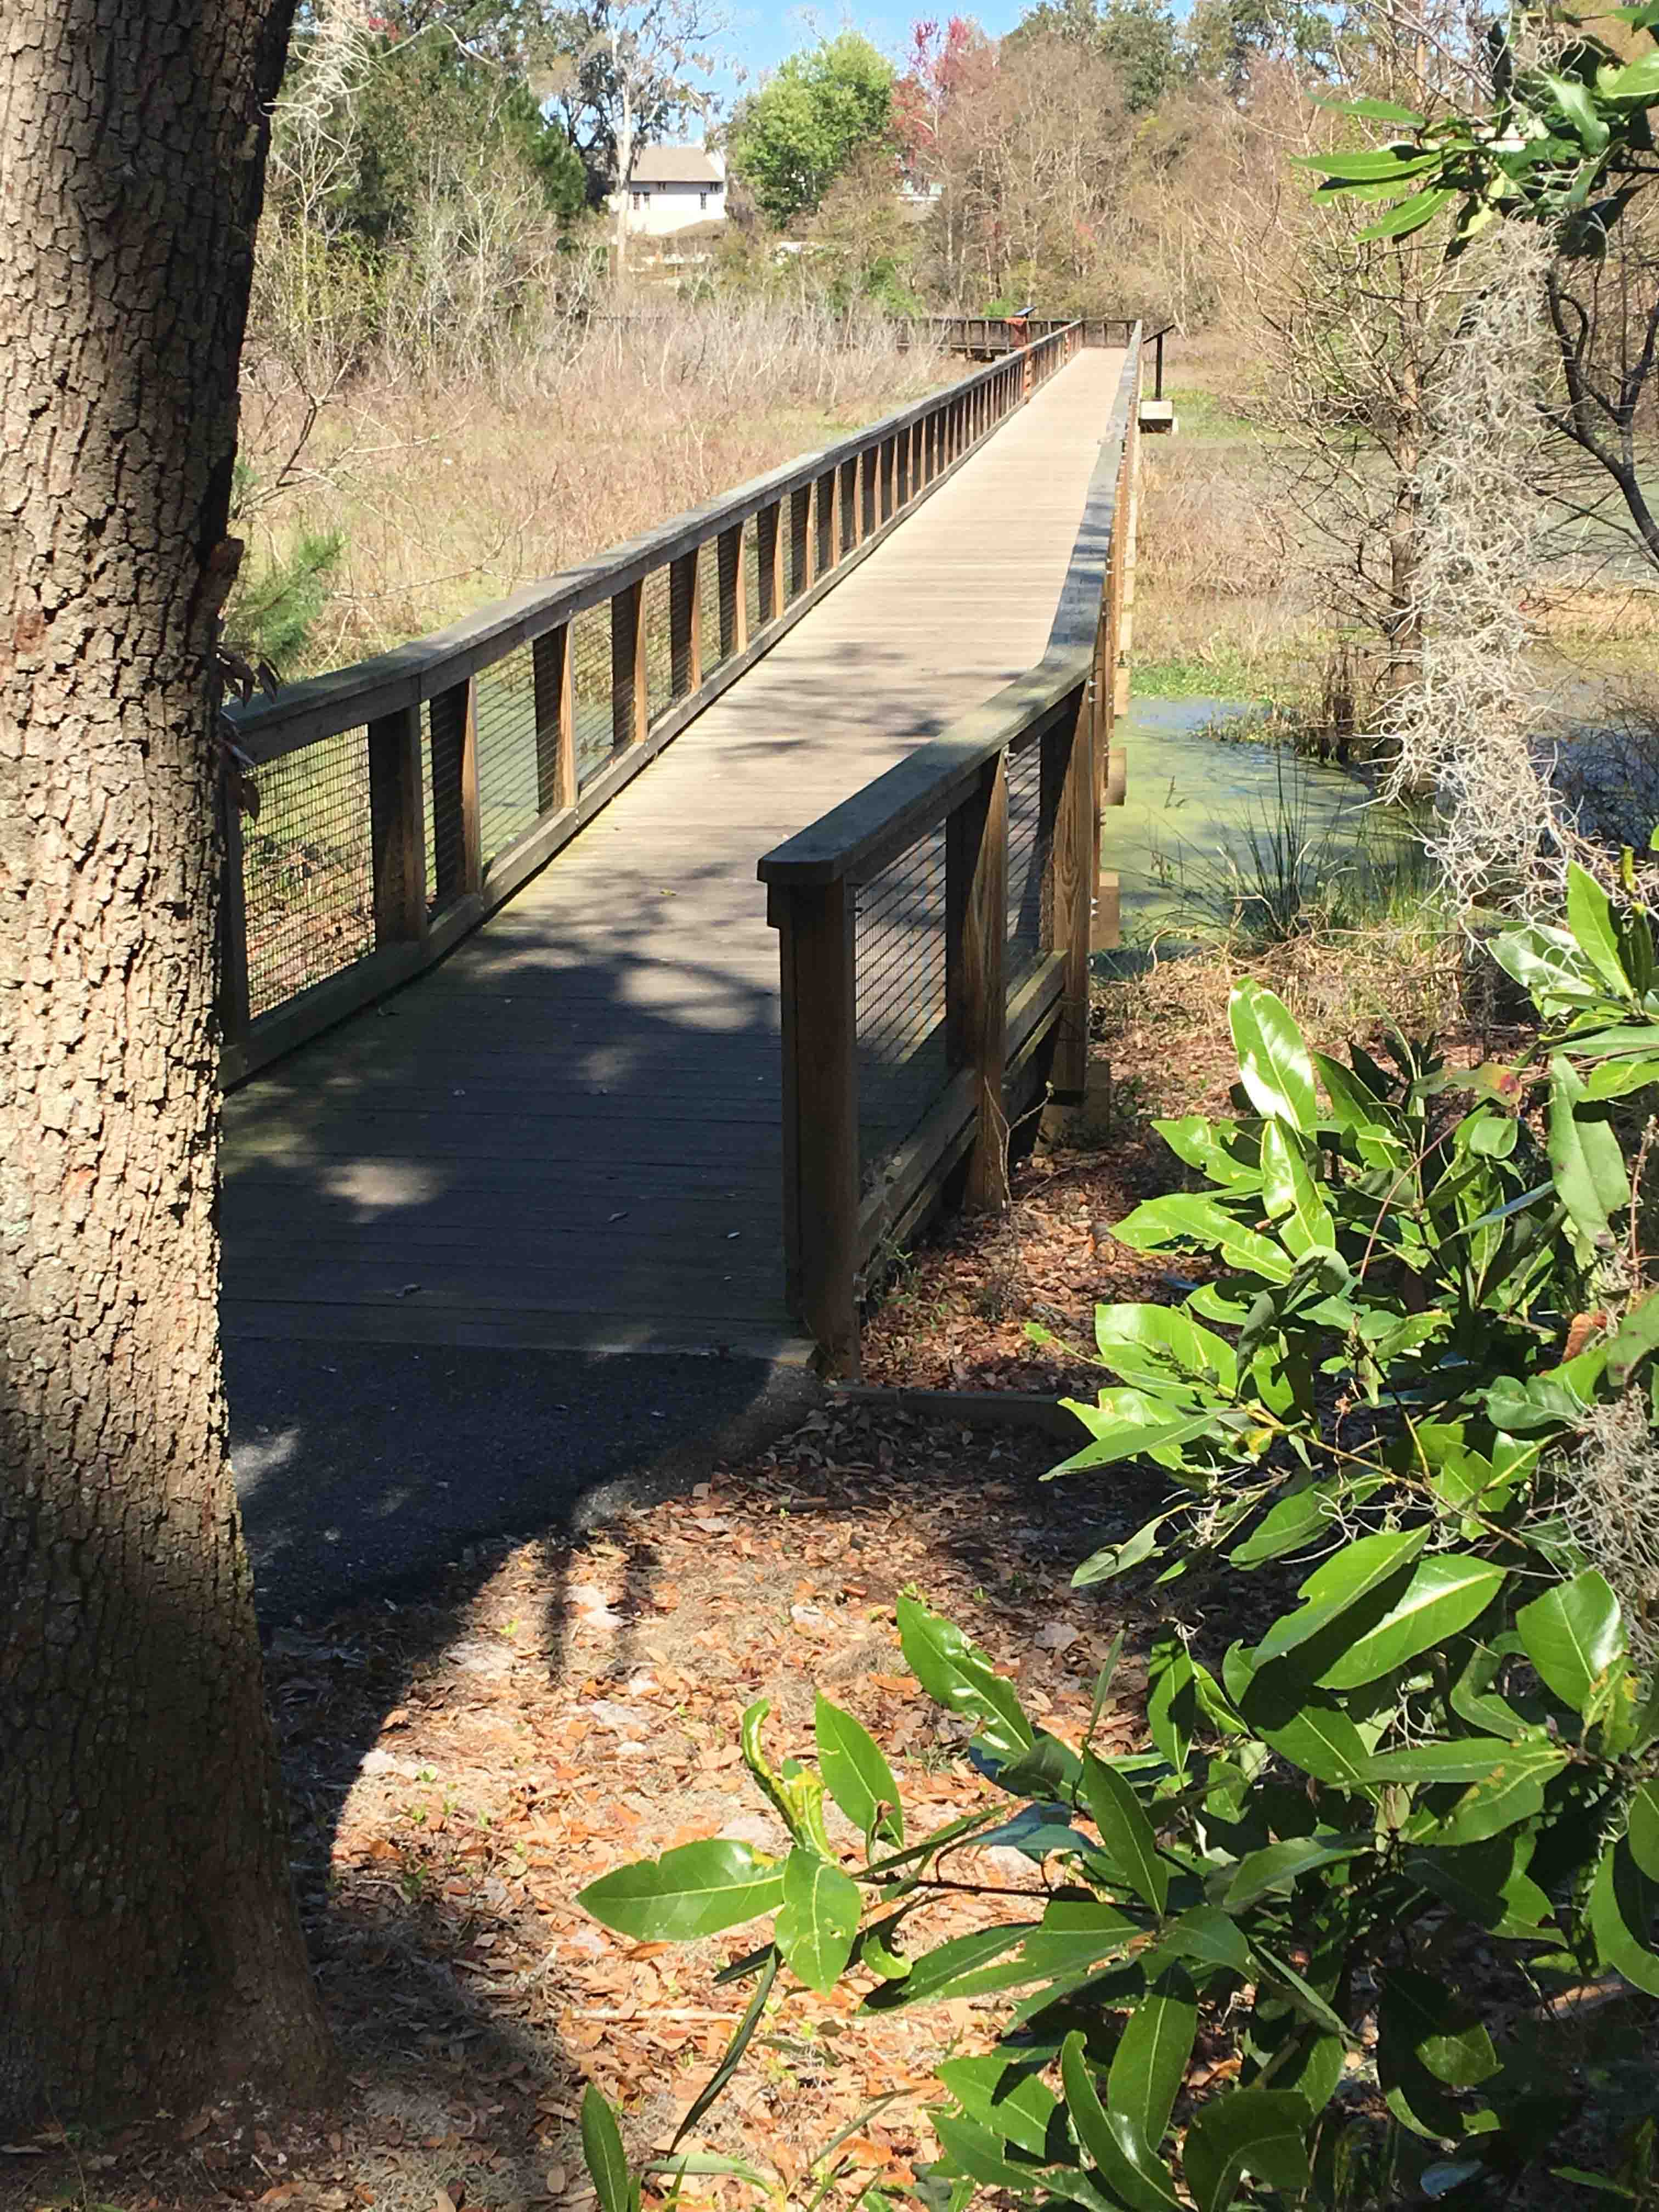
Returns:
point(760, 35)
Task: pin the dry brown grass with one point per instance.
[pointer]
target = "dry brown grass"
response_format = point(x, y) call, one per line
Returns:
point(450, 497)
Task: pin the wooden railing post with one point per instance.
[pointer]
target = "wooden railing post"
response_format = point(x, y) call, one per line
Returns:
point(800, 540)
point(685, 624)
point(397, 815)
point(815, 926)
point(556, 720)
point(1074, 864)
point(456, 834)
point(829, 512)
point(734, 597)
point(631, 699)
point(975, 996)
point(852, 505)
point(769, 545)
point(234, 998)
point(869, 496)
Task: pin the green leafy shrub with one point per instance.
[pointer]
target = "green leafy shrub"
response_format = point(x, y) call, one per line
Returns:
point(1363, 1844)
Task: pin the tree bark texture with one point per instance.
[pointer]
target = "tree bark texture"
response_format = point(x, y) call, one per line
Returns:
point(149, 1944)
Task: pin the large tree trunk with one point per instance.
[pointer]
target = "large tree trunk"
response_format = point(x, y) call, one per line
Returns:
point(149, 1943)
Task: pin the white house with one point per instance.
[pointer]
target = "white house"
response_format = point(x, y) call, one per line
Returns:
point(673, 187)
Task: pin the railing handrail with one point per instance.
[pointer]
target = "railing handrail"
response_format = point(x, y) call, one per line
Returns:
point(918, 791)
point(322, 706)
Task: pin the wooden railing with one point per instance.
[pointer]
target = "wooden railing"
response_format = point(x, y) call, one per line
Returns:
point(984, 336)
point(935, 933)
point(402, 801)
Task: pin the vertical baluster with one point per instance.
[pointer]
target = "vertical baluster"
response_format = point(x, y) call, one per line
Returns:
point(556, 720)
point(734, 602)
point(815, 926)
point(800, 540)
point(455, 820)
point(685, 624)
point(630, 698)
point(1075, 866)
point(397, 827)
point(768, 535)
point(976, 930)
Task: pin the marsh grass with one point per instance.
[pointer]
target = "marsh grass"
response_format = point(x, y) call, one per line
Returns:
point(450, 495)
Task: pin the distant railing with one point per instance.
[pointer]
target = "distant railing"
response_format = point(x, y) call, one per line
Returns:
point(402, 801)
point(935, 931)
point(985, 337)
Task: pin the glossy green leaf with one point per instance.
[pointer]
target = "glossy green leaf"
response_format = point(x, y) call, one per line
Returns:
point(1644, 1832)
point(1638, 81)
point(1447, 1592)
point(709, 2096)
point(1462, 1759)
point(957, 1675)
point(1126, 1831)
point(1589, 910)
point(1583, 1151)
point(1206, 1936)
point(975, 2150)
point(817, 1919)
point(1340, 1585)
point(1321, 1740)
point(1255, 2131)
point(603, 2154)
point(1281, 1865)
point(938, 1970)
point(856, 1774)
point(1634, 1340)
point(1291, 1196)
point(1623, 1902)
point(694, 1890)
point(1411, 215)
point(1109, 2141)
point(1369, 164)
point(1574, 1636)
point(1273, 1064)
point(1442, 2033)
point(1149, 2062)
point(1113, 1560)
point(995, 2092)
point(1214, 1148)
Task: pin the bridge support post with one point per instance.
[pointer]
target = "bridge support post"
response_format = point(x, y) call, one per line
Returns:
point(734, 597)
point(1075, 866)
point(975, 997)
point(456, 828)
point(685, 624)
point(630, 698)
point(815, 926)
point(768, 546)
point(396, 827)
point(556, 720)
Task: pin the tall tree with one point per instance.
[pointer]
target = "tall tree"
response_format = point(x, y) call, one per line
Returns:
point(148, 1941)
point(803, 127)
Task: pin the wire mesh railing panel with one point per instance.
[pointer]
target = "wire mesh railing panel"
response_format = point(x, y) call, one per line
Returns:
point(656, 615)
point(752, 573)
point(1030, 839)
point(708, 603)
point(307, 870)
point(590, 675)
point(900, 955)
point(505, 705)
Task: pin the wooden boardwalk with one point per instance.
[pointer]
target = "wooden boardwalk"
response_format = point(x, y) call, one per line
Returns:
point(568, 1135)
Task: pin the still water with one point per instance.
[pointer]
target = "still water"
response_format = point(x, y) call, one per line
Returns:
point(1195, 802)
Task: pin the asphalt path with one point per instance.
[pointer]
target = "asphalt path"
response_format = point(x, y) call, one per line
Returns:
point(369, 1469)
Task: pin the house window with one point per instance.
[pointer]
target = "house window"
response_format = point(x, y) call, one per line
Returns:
point(702, 202)
point(639, 202)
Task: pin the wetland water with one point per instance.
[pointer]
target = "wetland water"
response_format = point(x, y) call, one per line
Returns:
point(1196, 803)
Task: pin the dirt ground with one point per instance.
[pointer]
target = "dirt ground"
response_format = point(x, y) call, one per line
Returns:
point(461, 1767)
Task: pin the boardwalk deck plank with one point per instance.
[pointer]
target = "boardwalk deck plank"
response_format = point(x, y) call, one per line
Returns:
point(609, 1041)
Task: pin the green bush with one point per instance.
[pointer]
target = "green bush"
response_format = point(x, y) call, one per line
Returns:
point(1365, 1844)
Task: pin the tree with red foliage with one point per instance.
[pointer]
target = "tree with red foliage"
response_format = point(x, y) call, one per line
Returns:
point(942, 63)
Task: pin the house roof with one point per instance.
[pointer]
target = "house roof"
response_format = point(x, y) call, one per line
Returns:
point(676, 165)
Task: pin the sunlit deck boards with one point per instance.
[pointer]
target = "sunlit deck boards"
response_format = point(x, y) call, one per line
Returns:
point(568, 1135)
